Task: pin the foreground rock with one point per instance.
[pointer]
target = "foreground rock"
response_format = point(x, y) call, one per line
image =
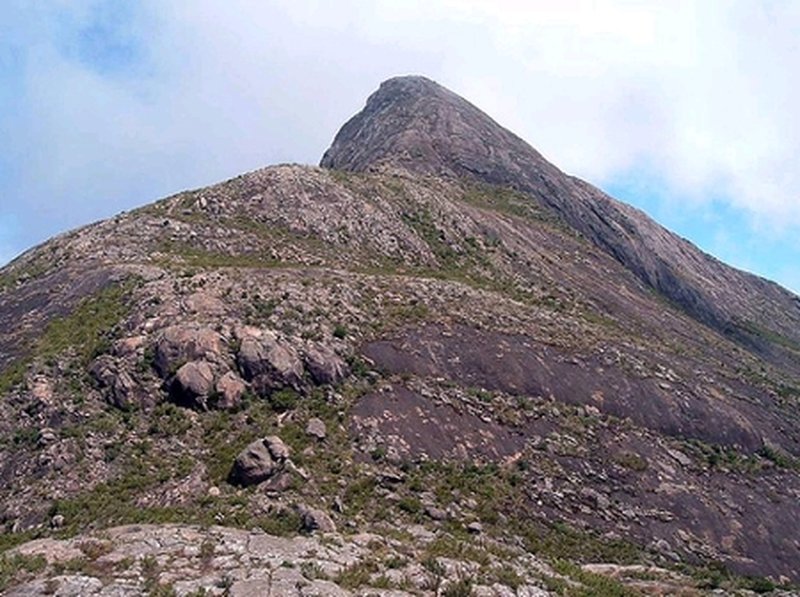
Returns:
point(316, 428)
point(185, 560)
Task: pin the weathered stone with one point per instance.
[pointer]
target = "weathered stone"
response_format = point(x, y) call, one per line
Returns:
point(254, 464)
point(680, 457)
point(315, 519)
point(180, 344)
point(595, 499)
point(47, 436)
point(119, 388)
point(230, 389)
point(475, 528)
point(324, 365)
point(276, 447)
point(273, 362)
point(195, 379)
point(129, 346)
point(435, 513)
point(278, 483)
point(316, 428)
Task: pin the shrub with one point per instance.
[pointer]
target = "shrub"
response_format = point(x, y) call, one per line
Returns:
point(284, 400)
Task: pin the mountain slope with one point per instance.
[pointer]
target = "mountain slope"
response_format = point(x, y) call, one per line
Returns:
point(444, 330)
point(415, 124)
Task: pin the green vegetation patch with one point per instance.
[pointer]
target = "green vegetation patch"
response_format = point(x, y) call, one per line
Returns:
point(17, 567)
point(507, 201)
point(198, 257)
point(759, 331)
point(87, 332)
point(591, 585)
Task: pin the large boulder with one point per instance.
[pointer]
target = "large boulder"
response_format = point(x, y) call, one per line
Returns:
point(270, 360)
point(259, 461)
point(324, 365)
point(193, 382)
point(118, 386)
point(180, 344)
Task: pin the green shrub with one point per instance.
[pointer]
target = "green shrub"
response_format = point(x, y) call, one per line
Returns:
point(283, 400)
point(356, 575)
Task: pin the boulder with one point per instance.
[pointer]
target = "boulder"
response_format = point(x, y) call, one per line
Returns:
point(273, 362)
point(253, 465)
point(314, 519)
point(230, 389)
point(119, 388)
point(180, 344)
point(316, 428)
point(259, 461)
point(129, 347)
point(278, 483)
point(324, 365)
point(276, 447)
point(195, 378)
point(193, 382)
point(435, 513)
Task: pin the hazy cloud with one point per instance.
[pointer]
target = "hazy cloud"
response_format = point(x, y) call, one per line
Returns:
point(109, 104)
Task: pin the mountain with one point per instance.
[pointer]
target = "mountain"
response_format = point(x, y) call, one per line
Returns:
point(445, 363)
point(419, 126)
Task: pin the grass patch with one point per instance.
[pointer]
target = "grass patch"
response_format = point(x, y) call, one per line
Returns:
point(356, 575)
point(593, 585)
point(631, 461)
point(88, 331)
point(202, 258)
point(561, 542)
point(17, 567)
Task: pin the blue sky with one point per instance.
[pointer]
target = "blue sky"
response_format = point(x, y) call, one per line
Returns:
point(684, 109)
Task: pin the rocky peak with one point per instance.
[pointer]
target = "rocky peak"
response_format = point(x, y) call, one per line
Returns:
point(415, 123)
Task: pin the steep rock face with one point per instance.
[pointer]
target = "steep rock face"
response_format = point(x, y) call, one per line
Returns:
point(417, 125)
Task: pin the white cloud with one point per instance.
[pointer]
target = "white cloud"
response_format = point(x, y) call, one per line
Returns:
point(700, 93)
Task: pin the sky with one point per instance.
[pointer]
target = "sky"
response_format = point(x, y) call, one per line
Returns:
point(686, 109)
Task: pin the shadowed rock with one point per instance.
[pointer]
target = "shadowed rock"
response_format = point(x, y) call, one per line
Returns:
point(259, 461)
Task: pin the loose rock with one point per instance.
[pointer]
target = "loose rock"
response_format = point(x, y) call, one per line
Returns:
point(315, 519)
point(316, 428)
point(254, 464)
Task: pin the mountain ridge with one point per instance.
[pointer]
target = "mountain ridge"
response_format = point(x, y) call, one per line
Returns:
point(374, 351)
